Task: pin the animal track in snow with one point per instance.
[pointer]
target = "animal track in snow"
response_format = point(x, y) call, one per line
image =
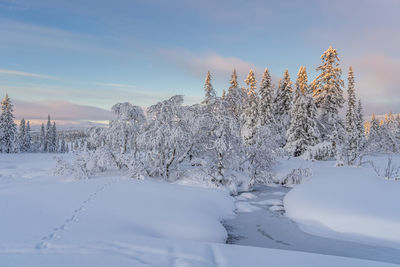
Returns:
point(45, 241)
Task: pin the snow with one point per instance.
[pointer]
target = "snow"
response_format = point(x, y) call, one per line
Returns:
point(272, 229)
point(245, 207)
point(349, 203)
point(112, 221)
point(245, 196)
point(270, 202)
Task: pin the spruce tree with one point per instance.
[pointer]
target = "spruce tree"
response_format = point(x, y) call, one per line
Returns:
point(63, 148)
point(374, 135)
point(283, 100)
point(328, 93)
point(266, 101)
point(22, 135)
point(303, 132)
point(233, 83)
point(48, 147)
point(251, 111)
point(53, 138)
point(353, 144)
point(8, 129)
point(282, 106)
point(42, 139)
point(210, 94)
point(235, 97)
point(360, 118)
point(28, 138)
point(76, 145)
point(351, 117)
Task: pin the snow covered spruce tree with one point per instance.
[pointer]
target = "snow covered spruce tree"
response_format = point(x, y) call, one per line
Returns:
point(282, 104)
point(42, 139)
point(21, 135)
point(251, 110)
point(28, 138)
point(381, 135)
point(8, 129)
point(354, 145)
point(388, 130)
point(236, 97)
point(360, 118)
point(303, 132)
point(54, 138)
point(328, 95)
point(266, 100)
point(47, 142)
point(208, 89)
point(63, 147)
point(374, 135)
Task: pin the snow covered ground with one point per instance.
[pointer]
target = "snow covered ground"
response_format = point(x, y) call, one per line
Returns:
point(348, 203)
point(113, 221)
point(263, 224)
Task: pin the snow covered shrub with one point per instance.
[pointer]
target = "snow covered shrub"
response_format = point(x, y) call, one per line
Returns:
point(321, 151)
point(78, 169)
point(262, 178)
point(296, 176)
point(263, 155)
point(390, 172)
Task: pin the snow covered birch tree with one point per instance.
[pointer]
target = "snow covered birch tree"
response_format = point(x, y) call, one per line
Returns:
point(167, 137)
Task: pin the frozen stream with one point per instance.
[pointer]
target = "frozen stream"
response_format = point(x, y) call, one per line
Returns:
point(261, 222)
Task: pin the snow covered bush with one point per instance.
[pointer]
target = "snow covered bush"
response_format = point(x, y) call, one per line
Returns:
point(320, 151)
point(79, 168)
point(296, 176)
point(391, 170)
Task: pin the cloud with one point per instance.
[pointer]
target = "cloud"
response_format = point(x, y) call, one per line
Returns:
point(26, 74)
point(32, 36)
point(199, 64)
point(117, 85)
point(59, 110)
point(93, 94)
point(377, 82)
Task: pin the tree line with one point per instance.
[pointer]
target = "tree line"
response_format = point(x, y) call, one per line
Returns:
point(21, 139)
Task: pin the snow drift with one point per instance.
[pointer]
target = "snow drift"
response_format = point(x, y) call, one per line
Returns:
point(347, 202)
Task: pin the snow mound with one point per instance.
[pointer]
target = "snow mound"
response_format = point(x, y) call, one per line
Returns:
point(347, 203)
point(276, 208)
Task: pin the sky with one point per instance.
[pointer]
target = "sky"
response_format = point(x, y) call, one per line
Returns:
point(75, 59)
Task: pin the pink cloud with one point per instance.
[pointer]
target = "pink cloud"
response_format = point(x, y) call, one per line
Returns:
point(62, 111)
point(200, 63)
point(377, 82)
